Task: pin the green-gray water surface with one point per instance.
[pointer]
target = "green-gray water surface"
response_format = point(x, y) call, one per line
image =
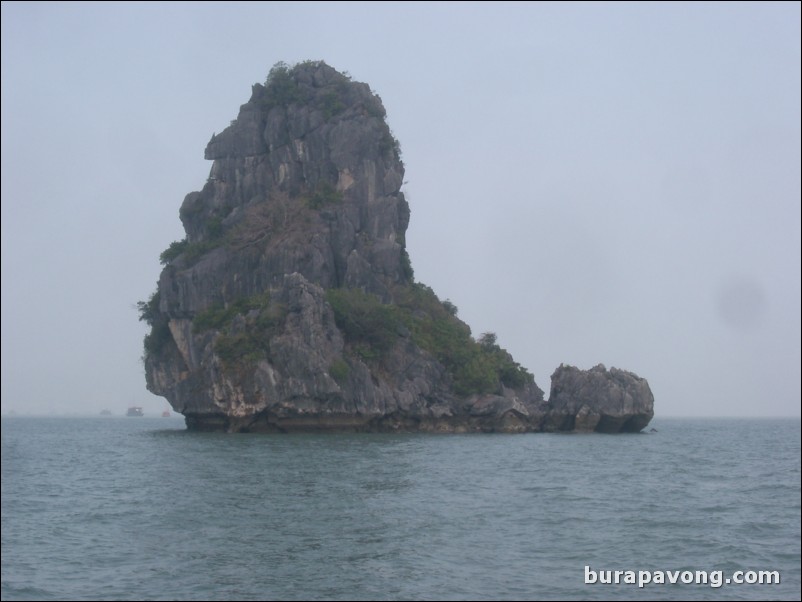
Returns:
point(139, 508)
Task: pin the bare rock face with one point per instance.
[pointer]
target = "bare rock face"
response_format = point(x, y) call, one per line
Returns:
point(291, 303)
point(599, 400)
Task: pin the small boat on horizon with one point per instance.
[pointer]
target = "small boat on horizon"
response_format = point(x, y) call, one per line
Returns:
point(166, 414)
point(135, 411)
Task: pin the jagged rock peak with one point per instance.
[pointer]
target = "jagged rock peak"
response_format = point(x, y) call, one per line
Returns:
point(312, 93)
point(306, 179)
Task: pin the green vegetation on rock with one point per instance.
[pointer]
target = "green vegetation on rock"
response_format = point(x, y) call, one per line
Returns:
point(218, 315)
point(159, 330)
point(149, 310)
point(174, 250)
point(242, 342)
point(280, 87)
point(324, 195)
point(156, 339)
point(340, 371)
point(192, 251)
point(372, 328)
point(331, 104)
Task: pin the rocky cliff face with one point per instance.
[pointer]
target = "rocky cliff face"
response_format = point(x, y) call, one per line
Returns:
point(291, 303)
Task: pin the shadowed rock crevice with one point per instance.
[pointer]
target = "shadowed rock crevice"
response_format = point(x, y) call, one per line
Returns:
point(291, 303)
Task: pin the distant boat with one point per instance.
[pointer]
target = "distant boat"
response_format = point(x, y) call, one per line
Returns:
point(135, 411)
point(166, 414)
point(105, 413)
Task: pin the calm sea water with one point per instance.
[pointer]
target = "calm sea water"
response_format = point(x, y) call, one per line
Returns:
point(138, 508)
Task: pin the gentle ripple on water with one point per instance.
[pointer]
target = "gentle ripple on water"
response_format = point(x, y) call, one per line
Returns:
point(141, 509)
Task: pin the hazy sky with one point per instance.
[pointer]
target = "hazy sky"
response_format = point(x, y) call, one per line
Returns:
point(614, 183)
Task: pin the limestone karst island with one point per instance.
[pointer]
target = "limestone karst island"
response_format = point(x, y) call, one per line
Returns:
point(291, 304)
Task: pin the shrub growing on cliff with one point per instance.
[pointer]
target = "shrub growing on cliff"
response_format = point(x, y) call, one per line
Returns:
point(215, 237)
point(406, 266)
point(324, 194)
point(174, 250)
point(149, 310)
point(214, 228)
point(488, 341)
point(159, 330)
point(215, 317)
point(374, 107)
point(241, 342)
point(280, 87)
point(389, 144)
point(239, 348)
point(365, 320)
point(339, 371)
point(331, 104)
point(156, 339)
point(218, 316)
point(450, 307)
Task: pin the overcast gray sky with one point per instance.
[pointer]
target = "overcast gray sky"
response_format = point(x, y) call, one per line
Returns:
point(614, 183)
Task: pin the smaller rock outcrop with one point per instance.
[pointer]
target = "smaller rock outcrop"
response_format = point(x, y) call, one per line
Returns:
point(600, 400)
